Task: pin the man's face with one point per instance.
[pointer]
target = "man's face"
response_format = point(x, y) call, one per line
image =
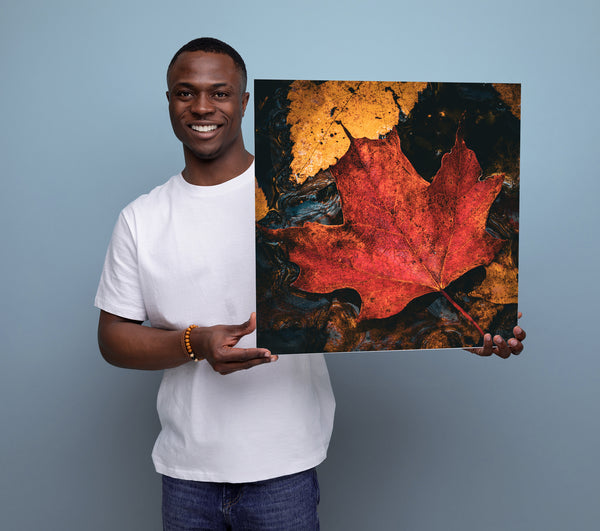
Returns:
point(206, 104)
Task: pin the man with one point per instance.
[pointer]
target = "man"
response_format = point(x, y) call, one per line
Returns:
point(237, 451)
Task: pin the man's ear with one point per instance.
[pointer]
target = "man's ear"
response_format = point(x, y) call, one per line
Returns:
point(245, 98)
point(168, 97)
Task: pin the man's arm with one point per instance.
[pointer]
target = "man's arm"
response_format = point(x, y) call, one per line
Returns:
point(126, 343)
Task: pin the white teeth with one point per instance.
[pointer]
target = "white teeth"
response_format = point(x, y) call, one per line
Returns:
point(204, 128)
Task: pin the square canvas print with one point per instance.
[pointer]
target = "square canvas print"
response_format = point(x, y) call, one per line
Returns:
point(387, 214)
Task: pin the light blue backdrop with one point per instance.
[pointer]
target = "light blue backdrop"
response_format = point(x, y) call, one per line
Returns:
point(423, 441)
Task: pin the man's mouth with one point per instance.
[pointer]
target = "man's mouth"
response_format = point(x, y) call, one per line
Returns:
point(204, 128)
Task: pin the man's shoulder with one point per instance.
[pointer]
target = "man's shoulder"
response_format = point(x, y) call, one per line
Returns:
point(154, 198)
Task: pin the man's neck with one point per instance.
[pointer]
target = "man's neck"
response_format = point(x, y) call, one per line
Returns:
point(216, 171)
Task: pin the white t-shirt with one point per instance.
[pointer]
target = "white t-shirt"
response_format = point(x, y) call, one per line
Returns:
point(182, 255)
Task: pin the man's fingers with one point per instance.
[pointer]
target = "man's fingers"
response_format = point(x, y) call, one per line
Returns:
point(487, 348)
point(232, 367)
point(516, 347)
point(497, 345)
point(519, 333)
point(233, 355)
point(245, 354)
point(503, 349)
point(236, 359)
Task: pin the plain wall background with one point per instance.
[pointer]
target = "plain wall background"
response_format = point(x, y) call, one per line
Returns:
point(423, 440)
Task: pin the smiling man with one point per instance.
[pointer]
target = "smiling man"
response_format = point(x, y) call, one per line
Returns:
point(237, 448)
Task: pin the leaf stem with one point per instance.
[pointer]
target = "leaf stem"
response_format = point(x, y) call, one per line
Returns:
point(462, 311)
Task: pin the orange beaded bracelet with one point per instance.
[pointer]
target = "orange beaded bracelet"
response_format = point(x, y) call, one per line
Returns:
point(187, 344)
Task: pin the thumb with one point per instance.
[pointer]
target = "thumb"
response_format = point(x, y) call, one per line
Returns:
point(245, 328)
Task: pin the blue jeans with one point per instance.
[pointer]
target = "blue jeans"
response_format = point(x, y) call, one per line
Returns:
point(280, 504)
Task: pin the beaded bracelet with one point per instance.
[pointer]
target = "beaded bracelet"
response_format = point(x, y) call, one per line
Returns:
point(187, 344)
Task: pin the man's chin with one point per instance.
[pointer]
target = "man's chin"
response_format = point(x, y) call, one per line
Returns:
point(206, 154)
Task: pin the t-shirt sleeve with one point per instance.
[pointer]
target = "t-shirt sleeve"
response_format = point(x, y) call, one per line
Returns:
point(119, 291)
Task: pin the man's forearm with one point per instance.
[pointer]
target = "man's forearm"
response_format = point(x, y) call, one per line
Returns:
point(128, 344)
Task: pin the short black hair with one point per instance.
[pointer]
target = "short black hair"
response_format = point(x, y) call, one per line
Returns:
point(211, 45)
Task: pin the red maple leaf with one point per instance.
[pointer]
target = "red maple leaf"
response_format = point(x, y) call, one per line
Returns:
point(402, 237)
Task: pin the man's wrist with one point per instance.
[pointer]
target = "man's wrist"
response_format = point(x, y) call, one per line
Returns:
point(186, 343)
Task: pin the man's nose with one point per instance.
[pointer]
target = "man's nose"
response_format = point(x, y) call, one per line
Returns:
point(202, 104)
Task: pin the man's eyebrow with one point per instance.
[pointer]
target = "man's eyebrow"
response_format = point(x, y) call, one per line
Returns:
point(184, 84)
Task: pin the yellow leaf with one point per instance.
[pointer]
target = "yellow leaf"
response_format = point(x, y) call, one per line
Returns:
point(261, 208)
point(510, 93)
point(367, 109)
point(501, 281)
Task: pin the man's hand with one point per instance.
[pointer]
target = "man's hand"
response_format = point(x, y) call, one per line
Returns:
point(217, 345)
point(126, 343)
point(498, 346)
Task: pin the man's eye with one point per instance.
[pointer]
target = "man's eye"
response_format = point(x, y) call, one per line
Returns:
point(184, 93)
point(221, 95)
